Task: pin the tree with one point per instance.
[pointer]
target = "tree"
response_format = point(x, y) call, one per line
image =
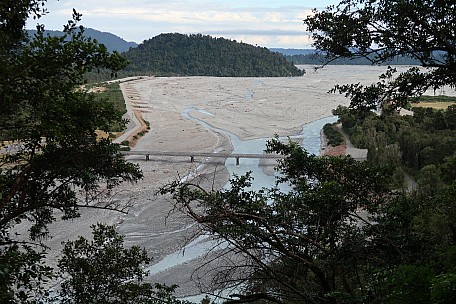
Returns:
point(310, 245)
point(422, 30)
point(381, 30)
point(50, 159)
point(103, 271)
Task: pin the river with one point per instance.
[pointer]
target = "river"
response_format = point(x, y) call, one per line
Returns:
point(309, 139)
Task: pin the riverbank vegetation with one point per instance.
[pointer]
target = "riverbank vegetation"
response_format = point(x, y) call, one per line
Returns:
point(111, 93)
point(333, 135)
point(418, 142)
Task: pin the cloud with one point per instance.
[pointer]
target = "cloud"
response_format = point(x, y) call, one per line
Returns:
point(272, 32)
point(269, 21)
point(273, 41)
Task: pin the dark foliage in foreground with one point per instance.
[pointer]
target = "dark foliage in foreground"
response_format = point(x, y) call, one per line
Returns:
point(380, 31)
point(52, 163)
point(342, 234)
point(103, 271)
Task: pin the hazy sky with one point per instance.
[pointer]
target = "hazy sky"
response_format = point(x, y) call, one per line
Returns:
point(269, 23)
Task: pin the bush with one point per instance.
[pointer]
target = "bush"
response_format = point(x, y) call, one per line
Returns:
point(333, 135)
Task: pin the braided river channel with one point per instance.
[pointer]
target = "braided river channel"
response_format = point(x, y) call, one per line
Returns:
point(310, 139)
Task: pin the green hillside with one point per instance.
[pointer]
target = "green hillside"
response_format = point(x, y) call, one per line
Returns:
point(192, 55)
point(111, 41)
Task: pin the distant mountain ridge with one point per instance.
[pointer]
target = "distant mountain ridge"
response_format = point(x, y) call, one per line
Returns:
point(111, 41)
point(320, 58)
point(291, 52)
point(312, 56)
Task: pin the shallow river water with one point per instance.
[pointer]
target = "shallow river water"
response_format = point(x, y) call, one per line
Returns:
point(309, 139)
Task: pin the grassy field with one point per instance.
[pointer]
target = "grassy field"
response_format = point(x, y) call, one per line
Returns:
point(439, 98)
point(435, 102)
point(112, 93)
point(434, 105)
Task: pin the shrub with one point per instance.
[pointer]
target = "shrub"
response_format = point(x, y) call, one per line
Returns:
point(333, 135)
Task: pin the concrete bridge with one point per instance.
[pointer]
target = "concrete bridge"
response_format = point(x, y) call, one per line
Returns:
point(192, 155)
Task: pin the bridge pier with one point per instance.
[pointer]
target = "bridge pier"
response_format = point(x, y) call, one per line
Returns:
point(237, 161)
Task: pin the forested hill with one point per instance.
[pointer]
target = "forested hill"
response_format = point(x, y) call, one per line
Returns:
point(111, 41)
point(199, 55)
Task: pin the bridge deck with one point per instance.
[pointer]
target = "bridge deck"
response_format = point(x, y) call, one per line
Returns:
point(192, 155)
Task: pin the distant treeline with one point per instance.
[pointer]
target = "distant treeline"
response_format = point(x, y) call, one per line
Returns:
point(201, 55)
point(317, 58)
point(425, 139)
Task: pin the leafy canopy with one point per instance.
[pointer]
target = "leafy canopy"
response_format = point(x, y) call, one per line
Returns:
point(51, 162)
point(380, 30)
point(103, 271)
